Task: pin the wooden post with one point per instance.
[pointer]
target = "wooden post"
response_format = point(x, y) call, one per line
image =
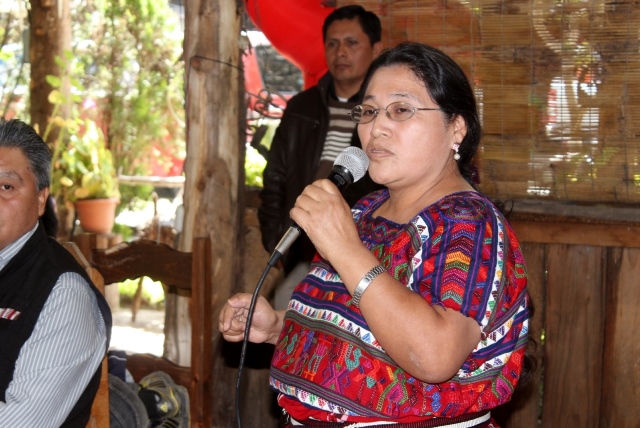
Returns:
point(49, 36)
point(214, 174)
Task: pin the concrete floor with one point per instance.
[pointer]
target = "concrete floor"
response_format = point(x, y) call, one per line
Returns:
point(145, 335)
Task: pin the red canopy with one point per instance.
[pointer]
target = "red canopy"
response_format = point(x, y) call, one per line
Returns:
point(294, 28)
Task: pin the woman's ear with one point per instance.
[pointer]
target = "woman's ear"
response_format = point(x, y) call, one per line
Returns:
point(459, 129)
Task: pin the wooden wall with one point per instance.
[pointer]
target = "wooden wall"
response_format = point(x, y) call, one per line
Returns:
point(555, 84)
point(584, 279)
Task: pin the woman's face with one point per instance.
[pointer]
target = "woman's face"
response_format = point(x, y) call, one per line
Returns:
point(417, 151)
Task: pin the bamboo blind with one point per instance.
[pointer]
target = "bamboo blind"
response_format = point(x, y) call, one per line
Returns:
point(557, 87)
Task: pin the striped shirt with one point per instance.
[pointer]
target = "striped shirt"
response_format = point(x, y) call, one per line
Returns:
point(340, 130)
point(57, 362)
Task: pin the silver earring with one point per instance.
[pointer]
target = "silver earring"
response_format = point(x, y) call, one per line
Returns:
point(455, 147)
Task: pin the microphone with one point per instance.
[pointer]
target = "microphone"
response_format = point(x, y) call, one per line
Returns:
point(350, 166)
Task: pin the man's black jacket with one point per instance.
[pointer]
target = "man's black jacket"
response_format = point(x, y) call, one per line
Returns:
point(292, 164)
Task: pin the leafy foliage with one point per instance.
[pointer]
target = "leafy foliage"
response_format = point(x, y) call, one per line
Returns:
point(254, 165)
point(82, 164)
point(129, 61)
point(85, 170)
point(14, 72)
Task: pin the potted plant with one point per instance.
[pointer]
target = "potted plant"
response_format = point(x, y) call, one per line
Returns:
point(84, 175)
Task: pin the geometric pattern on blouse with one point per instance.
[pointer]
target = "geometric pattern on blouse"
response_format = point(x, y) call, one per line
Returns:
point(459, 253)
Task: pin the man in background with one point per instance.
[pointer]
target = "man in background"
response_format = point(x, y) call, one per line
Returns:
point(314, 129)
point(54, 323)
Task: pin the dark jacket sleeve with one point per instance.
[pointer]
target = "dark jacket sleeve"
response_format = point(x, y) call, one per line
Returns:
point(292, 162)
point(272, 195)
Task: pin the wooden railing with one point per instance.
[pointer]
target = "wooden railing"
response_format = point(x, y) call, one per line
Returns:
point(584, 279)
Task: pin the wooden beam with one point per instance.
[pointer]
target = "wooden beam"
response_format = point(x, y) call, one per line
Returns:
point(135, 180)
point(558, 223)
point(607, 235)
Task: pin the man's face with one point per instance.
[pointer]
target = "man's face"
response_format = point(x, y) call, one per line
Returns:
point(20, 203)
point(348, 51)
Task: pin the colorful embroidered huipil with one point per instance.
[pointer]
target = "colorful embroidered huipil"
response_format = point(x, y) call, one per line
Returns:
point(459, 253)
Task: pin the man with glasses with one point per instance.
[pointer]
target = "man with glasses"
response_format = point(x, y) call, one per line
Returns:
point(314, 129)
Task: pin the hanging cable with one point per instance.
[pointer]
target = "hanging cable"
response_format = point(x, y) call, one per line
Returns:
point(245, 341)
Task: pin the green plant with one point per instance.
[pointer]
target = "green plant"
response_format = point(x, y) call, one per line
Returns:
point(152, 292)
point(254, 164)
point(82, 165)
point(126, 60)
point(128, 57)
point(85, 170)
point(255, 158)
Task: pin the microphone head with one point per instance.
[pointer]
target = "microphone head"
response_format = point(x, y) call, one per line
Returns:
point(354, 160)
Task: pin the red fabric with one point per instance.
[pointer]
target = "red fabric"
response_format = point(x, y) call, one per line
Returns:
point(294, 28)
point(331, 363)
point(300, 412)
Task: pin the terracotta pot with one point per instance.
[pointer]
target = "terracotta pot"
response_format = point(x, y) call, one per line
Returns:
point(97, 215)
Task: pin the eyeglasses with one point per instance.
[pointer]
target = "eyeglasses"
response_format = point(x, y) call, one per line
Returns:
point(397, 111)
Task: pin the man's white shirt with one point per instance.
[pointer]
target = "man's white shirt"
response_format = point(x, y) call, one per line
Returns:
point(59, 359)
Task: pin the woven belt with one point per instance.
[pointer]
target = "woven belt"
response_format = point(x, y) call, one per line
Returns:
point(465, 421)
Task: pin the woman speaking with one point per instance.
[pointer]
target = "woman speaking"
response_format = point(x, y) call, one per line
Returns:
point(415, 311)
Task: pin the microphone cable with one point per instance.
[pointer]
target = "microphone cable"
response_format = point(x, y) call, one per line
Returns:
point(350, 166)
point(245, 340)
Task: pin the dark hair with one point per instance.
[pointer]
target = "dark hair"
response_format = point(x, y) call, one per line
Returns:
point(49, 218)
point(369, 21)
point(17, 134)
point(447, 86)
